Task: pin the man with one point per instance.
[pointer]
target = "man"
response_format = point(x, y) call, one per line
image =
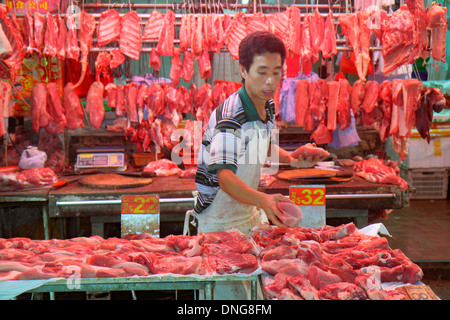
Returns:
point(237, 141)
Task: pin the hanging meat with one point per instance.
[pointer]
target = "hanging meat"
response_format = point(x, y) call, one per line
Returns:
point(185, 32)
point(295, 30)
point(301, 102)
point(94, 104)
point(354, 27)
point(306, 49)
point(72, 105)
point(131, 92)
point(15, 60)
point(51, 35)
point(328, 45)
point(39, 30)
point(281, 24)
point(317, 27)
point(130, 41)
point(219, 28)
point(176, 67)
point(61, 40)
point(117, 58)
point(167, 35)
point(343, 106)
point(108, 28)
point(333, 98)
point(120, 100)
point(154, 60)
point(385, 103)
point(235, 33)
point(102, 65)
point(430, 99)
point(437, 23)
point(85, 33)
point(57, 121)
point(72, 48)
point(28, 30)
point(39, 115)
point(153, 26)
point(187, 71)
point(197, 36)
point(204, 64)
point(111, 95)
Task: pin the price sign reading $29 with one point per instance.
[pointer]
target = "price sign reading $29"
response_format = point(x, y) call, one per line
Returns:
point(140, 204)
point(309, 196)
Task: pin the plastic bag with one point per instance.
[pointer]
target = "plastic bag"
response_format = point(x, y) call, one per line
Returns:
point(32, 158)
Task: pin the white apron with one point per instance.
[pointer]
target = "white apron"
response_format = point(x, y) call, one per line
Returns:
point(225, 213)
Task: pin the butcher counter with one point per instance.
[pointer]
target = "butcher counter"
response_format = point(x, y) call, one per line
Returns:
point(350, 199)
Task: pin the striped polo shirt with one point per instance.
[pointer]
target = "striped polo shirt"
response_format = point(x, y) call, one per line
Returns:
point(225, 141)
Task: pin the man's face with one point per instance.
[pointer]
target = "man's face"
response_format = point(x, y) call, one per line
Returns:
point(261, 80)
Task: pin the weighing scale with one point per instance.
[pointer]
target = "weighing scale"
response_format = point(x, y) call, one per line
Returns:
point(104, 158)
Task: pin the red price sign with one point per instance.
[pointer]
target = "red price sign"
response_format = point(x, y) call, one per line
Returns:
point(140, 204)
point(309, 196)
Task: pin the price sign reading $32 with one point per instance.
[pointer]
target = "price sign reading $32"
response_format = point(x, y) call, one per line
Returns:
point(307, 195)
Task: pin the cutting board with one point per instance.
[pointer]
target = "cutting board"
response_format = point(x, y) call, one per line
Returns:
point(112, 181)
point(314, 176)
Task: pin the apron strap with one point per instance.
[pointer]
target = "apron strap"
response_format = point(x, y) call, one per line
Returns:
point(188, 221)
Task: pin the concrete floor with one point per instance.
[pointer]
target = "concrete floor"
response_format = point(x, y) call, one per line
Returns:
point(422, 232)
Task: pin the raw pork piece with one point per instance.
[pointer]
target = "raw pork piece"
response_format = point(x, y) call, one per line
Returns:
point(317, 27)
point(131, 92)
point(51, 35)
point(220, 31)
point(319, 99)
point(258, 22)
point(343, 106)
point(204, 64)
point(430, 99)
point(411, 92)
point(167, 35)
point(94, 104)
point(234, 34)
point(28, 30)
point(61, 40)
point(372, 92)
point(162, 168)
point(120, 100)
point(281, 25)
point(39, 115)
point(328, 46)
point(72, 48)
point(322, 135)
point(374, 170)
point(130, 41)
point(39, 30)
point(401, 44)
point(177, 264)
point(231, 262)
point(56, 110)
point(295, 30)
point(155, 60)
point(108, 28)
point(37, 176)
point(306, 49)
point(153, 26)
point(117, 58)
point(319, 278)
point(85, 33)
point(342, 291)
point(437, 22)
point(175, 67)
point(333, 98)
point(354, 27)
point(187, 71)
point(15, 60)
point(309, 150)
point(291, 213)
point(357, 96)
point(185, 32)
point(102, 65)
point(72, 105)
point(301, 102)
point(197, 36)
point(385, 104)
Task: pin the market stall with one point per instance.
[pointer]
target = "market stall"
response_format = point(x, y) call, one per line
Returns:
point(105, 102)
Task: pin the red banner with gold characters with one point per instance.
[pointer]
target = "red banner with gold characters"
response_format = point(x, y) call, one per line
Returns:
point(42, 6)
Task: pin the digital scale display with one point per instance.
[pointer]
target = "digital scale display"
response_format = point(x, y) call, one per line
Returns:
point(94, 160)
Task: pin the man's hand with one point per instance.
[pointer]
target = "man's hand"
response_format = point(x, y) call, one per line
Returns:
point(305, 163)
point(268, 203)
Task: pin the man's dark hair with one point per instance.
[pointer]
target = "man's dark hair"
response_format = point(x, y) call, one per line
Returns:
point(257, 43)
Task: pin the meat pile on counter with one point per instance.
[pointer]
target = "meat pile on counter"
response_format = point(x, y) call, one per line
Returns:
point(134, 255)
point(28, 178)
point(337, 263)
